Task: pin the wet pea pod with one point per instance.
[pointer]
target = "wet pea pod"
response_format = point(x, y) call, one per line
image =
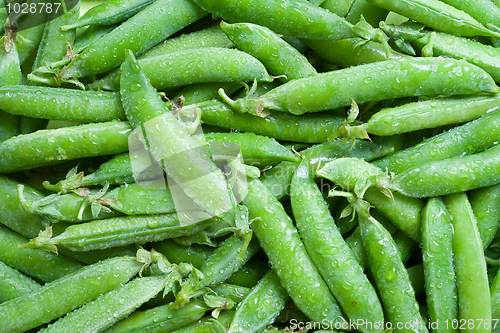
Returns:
point(328, 250)
point(495, 302)
point(205, 64)
point(55, 44)
point(61, 296)
point(200, 92)
point(465, 139)
point(279, 57)
point(108, 13)
point(484, 11)
point(483, 202)
point(391, 278)
point(259, 308)
point(89, 36)
point(164, 18)
point(371, 82)
point(286, 252)
point(437, 15)
point(111, 307)
point(49, 147)
point(116, 231)
point(61, 104)
point(433, 43)
point(288, 17)
point(372, 14)
point(470, 266)
point(439, 272)
point(453, 175)
point(14, 283)
point(415, 116)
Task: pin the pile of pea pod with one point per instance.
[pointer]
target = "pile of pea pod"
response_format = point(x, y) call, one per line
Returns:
point(251, 166)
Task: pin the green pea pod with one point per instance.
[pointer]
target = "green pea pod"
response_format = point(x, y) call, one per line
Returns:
point(495, 303)
point(61, 104)
point(288, 17)
point(470, 266)
point(453, 175)
point(208, 65)
point(113, 232)
point(437, 15)
point(371, 82)
point(63, 295)
point(439, 272)
point(109, 13)
point(461, 140)
point(372, 14)
point(50, 147)
point(484, 202)
point(55, 44)
point(160, 319)
point(279, 57)
point(36, 263)
point(266, 300)
point(484, 11)
point(14, 283)
point(200, 92)
point(89, 36)
point(280, 241)
point(110, 307)
point(328, 250)
point(391, 278)
point(351, 51)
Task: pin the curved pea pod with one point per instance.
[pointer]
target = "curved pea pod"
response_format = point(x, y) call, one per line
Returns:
point(259, 308)
point(36, 263)
point(470, 266)
point(161, 318)
point(164, 18)
point(372, 14)
point(49, 147)
point(110, 307)
point(453, 175)
point(324, 243)
point(371, 82)
point(437, 15)
point(484, 11)
point(118, 231)
point(61, 296)
point(351, 51)
point(279, 57)
point(14, 283)
point(288, 17)
point(108, 13)
point(207, 65)
point(484, 202)
point(89, 36)
point(439, 272)
point(391, 278)
point(61, 104)
point(256, 149)
point(286, 252)
point(461, 140)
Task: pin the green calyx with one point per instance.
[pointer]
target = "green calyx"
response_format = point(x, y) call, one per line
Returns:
point(348, 132)
point(248, 104)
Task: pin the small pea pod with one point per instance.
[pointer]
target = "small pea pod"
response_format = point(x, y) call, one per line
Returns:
point(439, 272)
point(328, 250)
point(14, 283)
point(453, 175)
point(470, 266)
point(257, 310)
point(462, 140)
point(50, 147)
point(483, 202)
point(280, 241)
point(288, 17)
point(279, 57)
point(61, 104)
point(63, 295)
point(437, 15)
point(164, 18)
point(108, 13)
point(113, 232)
point(371, 82)
point(391, 278)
